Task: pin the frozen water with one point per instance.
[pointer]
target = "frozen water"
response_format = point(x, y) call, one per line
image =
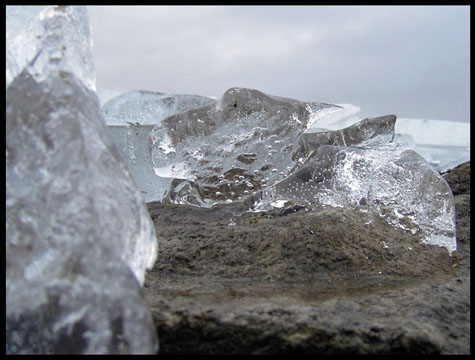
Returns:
point(142, 107)
point(391, 180)
point(78, 235)
point(444, 144)
point(132, 144)
point(105, 95)
point(45, 38)
point(367, 132)
point(337, 118)
point(221, 152)
point(255, 148)
point(130, 117)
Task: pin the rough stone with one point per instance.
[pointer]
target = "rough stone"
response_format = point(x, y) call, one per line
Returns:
point(320, 280)
point(392, 180)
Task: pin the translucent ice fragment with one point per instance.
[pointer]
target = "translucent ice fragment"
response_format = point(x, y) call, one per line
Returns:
point(78, 235)
point(130, 117)
point(336, 118)
point(105, 95)
point(148, 107)
point(49, 38)
point(391, 179)
point(365, 133)
point(132, 144)
point(444, 144)
point(246, 140)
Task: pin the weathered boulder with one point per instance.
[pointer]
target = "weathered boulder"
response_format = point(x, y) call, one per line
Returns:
point(305, 280)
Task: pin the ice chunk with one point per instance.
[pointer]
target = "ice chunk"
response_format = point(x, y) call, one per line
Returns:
point(245, 141)
point(49, 38)
point(78, 235)
point(132, 143)
point(129, 116)
point(390, 179)
point(336, 118)
point(365, 133)
point(444, 144)
point(142, 107)
point(105, 95)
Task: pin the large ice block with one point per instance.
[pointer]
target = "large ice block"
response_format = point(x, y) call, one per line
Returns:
point(78, 235)
point(130, 117)
point(133, 145)
point(367, 132)
point(389, 179)
point(444, 144)
point(245, 141)
point(49, 38)
point(141, 107)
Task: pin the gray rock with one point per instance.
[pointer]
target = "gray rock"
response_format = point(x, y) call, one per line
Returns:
point(392, 180)
point(458, 178)
point(320, 280)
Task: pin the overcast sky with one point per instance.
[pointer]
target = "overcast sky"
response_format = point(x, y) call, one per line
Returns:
point(412, 61)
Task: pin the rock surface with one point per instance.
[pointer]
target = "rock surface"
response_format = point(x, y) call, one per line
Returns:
point(305, 279)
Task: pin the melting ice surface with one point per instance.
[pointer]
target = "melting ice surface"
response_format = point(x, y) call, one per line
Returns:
point(148, 107)
point(79, 238)
point(391, 180)
point(254, 147)
point(49, 38)
point(224, 151)
point(444, 144)
point(130, 117)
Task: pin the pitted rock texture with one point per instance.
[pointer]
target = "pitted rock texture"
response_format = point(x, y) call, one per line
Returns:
point(303, 280)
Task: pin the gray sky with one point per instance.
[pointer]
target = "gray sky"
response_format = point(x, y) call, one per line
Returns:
point(413, 61)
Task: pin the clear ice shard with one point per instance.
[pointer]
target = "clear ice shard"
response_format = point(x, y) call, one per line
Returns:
point(130, 117)
point(365, 133)
point(132, 144)
point(224, 151)
point(78, 234)
point(444, 144)
point(49, 38)
point(142, 107)
point(390, 180)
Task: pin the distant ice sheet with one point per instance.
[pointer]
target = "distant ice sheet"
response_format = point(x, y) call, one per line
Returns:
point(444, 144)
